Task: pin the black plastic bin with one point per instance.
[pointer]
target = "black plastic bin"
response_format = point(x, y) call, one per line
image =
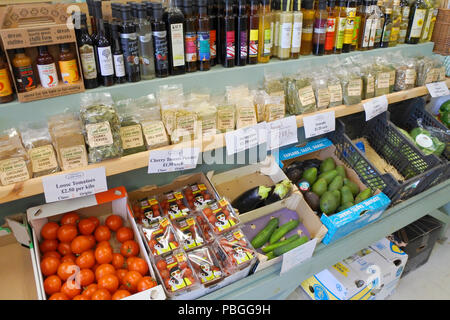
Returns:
point(405, 115)
point(417, 240)
point(420, 171)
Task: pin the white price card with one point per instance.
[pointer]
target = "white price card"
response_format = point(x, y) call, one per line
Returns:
point(438, 89)
point(318, 124)
point(298, 255)
point(246, 138)
point(74, 185)
point(161, 161)
point(281, 132)
point(375, 106)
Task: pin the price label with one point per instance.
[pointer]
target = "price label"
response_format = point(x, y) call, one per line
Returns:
point(282, 132)
point(173, 160)
point(246, 138)
point(437, 89)
point(318, 124)
point(74, 185)
point(375, 106)
point(298, 255)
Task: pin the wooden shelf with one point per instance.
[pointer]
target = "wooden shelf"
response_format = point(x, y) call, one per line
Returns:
point(140, 160)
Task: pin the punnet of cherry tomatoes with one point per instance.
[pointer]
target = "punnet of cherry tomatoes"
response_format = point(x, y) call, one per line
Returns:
point(84, 259)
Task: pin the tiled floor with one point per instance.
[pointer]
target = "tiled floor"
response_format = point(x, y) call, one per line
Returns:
point(428, 282)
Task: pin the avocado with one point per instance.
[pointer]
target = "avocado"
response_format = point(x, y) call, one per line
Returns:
point(337, 194)
point(341, 171)
point(363, 195)
point(336, 184)
point(346, 195)
point(327, 165)
point(312, 200)
point(328, 203)
point(310, 175)
point(328, 175)
point(345, 206)
point(319, 187)
point(353, 186)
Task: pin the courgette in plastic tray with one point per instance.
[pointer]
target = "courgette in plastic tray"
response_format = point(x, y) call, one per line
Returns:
point(281, 231)
point(281, 190)
point(291, 245)
point(272, 247)
point(263, 236)
point(251, 199)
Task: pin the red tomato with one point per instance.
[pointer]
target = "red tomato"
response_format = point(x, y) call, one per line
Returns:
point(102, 233)
point(66, 269)
point(90, 290)
point(131, 280)
point(146, 283)
point(92, 240)
point(103, 243)
point(70, 218)
point(120, 273)
point(64, 248)
point(69, 258)
point(164, 274)
point(58, 296)
point(86, 259)
point(49, 266)
point(124, 233)
point(114, 222)
point(129, 248)
point(49, 231)
point(52, 284)
point(80, 297)
point(48, 245)
point(103, 254)
point(53, 254)
point(161, 265)
point(139, 265)
point(120, 294)
point(103, 270)
point(95, 220)
point(182, 265)
point(85, 277)
point(67, 233)
point(71, 289)
point(109, 282)
point(101, 294)
point(117, 260)
point(187, 273)
point(80, 244)
point(86, 226)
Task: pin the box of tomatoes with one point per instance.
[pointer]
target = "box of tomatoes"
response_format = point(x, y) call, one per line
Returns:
point(89, 249)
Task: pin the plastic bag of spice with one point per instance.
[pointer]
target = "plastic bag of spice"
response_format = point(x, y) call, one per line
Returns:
point(366, 65)
point(300, 94)
point(101, 125)
point(207, 116)
point(38, 143)
point(258, 100)
point(382, 74)
point(390, 66)
point(187, 125)
point(320, 86)
point(334, 87)
point(226, 114)
point(170, 98)
point(245, 112)
point(130, 127)
point(15, 165)
point(235, 93)
point(405, 72)
point(426, 70)
point(352, 84)
point(273, 83)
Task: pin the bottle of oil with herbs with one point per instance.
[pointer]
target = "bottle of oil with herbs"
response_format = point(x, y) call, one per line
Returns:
point(341, 20)
point(404, 9)
point(396, 21)
point(264, 33)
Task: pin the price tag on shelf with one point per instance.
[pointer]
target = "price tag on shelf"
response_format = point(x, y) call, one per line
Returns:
point(282, 132)
point(298, 255)
point(246, 138)
point(438, 89)
point(318, 124)
point(173, 160)
point(74, 185)
point(375, 106)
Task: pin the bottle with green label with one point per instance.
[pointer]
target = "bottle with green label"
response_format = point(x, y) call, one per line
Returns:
point(387, 28)
point(341, 20)
point(357, 25)
point(404, 8)
point(265, 40)
point(416, 20)
point(379, 24)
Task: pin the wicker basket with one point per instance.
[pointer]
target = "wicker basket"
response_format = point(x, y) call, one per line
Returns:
point(441, 32)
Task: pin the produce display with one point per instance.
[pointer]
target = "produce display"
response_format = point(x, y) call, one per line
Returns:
point(444, 113)
point(84, 259)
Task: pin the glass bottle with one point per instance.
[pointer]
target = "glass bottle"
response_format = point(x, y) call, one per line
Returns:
point(387, 27)
point(340, 26)
point(379, 24)
point(68, 65)
point(87, 55)
point(320, 28)
point(190, 37)
point(264, 33)
point(435, 5)
point(404, 9)
point(174, 19)
point(308, 27)
point(366, 26)
point(149, 10)
point(212, 14)
point(350, 10)
point(219, 44)
point(296, 29)
point(46, 66)
point(93, 19)
point(331, 27)
point(145, 44)
point(133, 11)
point(118, 59)
point(6, 91)
point(285, 33)
point(275, 11)
point(396, 21)
point(416, 18)
point(23, 71)
point(241, 33)
point(228, 37)
point(203, 37)
point(253, 32)
point(129, 43)
point(160, 42)
point(427, 22)
point(357, 25)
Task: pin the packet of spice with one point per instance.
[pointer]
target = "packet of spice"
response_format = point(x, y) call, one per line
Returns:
point(258, 100)
point(38, 143)
point(101, 126)
point(320, 86)
point(390, 65)
point(15, 164)
point(426, 70)
point(170, 98)
point(405, 72)
point(383, 74)
point(367, 67)
point(334, 87)
point(245, 112)
point(352, 84)
point(68, 139)
point(226, 113)
point(130, 127)
point(187, 126)
point(273, 83)
point(153, 129)
point(300, 96)
point(207, 116)
point(274, 108)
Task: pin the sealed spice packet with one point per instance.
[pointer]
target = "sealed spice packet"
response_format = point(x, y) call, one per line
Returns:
point(226, 113)
point(405, 72)
point(160, 237)
point(189, 233)
point(351, 83)
point(206, 266)
point(220, 216)
point(174, 206)
point(15, 164)
point(273, 83)
point(320, 87)
point(130, 127)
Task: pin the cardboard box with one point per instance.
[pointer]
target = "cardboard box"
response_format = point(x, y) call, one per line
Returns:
point(353, 218)
point(18, 278)
point(30, 25)
point(101, 205)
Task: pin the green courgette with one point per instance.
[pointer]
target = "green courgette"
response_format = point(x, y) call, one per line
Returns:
point(270, 255)
point(263, 236)
point(281, 231)
point(287, 247)
point(271, 247)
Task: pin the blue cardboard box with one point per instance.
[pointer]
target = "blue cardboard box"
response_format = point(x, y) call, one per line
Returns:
point(342, 223)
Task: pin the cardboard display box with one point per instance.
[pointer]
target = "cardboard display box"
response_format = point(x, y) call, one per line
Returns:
point(353, 218)
point(31, 25)
point(101, 205)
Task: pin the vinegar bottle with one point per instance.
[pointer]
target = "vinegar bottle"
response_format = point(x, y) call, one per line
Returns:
point(366, 27)
point(320, 28)
point(241, 33)
point(275, 11)
point(296, 29)
point(174, 19)
point(308, 28)
point(145, 44)
point(264, 40)
point(212, 14)
point(160, 42)
point(129, 43)
point(253, 32)
point(118, 59)
point(190, 37)
point(387, 28)
point(228, 36)
point(331, 27)
point(203, 37)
